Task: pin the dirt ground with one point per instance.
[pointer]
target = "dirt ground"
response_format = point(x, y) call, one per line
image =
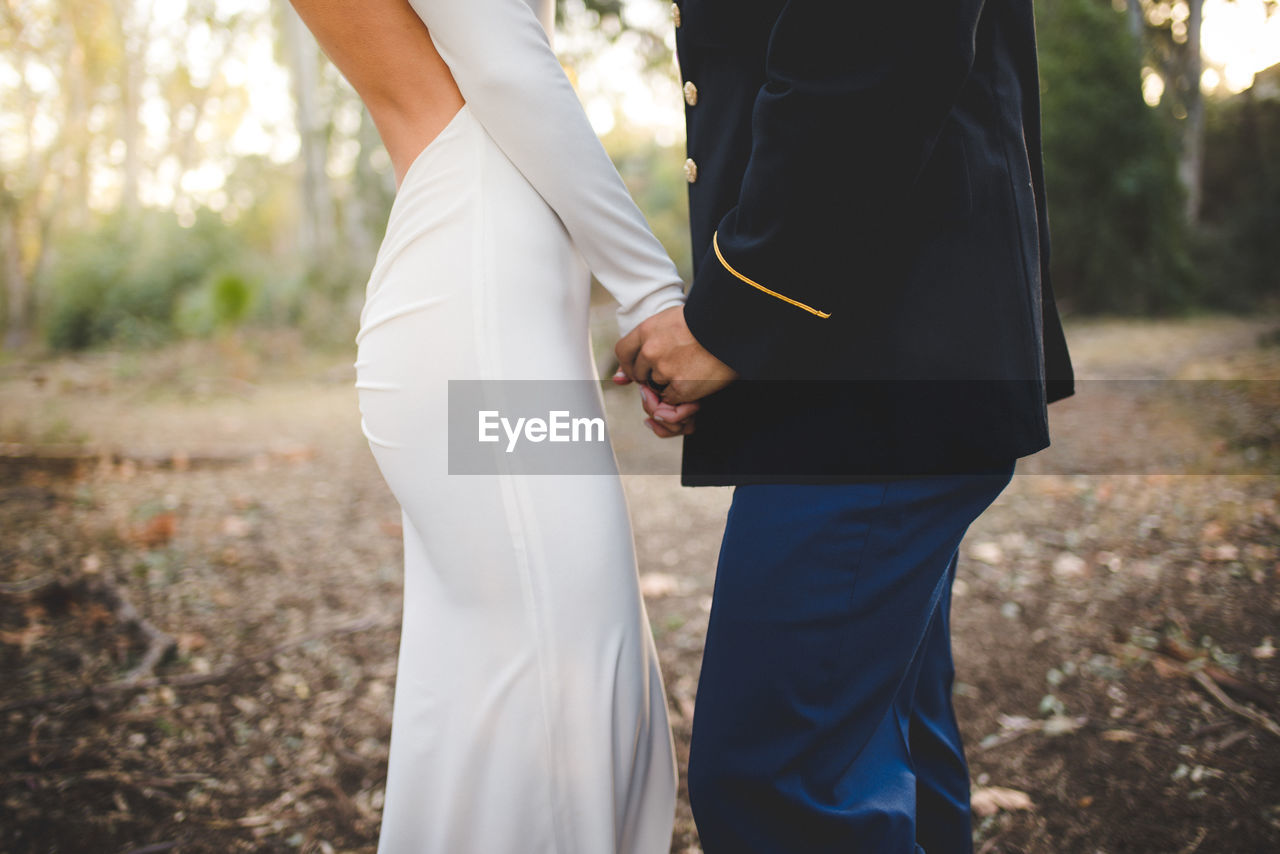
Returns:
point(200, 572)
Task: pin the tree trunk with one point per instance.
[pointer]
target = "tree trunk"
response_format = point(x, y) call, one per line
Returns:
point(1191, 167)
point(74, 156)
point(130, 126)
point(370, 192)
point(16, 286)
point(1137, 24)
point(316, 237)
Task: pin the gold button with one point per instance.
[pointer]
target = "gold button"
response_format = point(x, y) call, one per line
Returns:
point(690, 93)
point(675, 14)
point(690, 170)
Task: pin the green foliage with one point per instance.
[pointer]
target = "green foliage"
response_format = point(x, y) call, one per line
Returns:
point(1240, 216)
point(222, 301)
point(138, 280)
point(141, 281)
point(1119, 239)
point(323, 303)
point(655, 176)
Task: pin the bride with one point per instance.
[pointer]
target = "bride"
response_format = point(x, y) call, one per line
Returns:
point(529, 715)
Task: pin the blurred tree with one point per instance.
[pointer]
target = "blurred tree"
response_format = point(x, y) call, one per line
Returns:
point(42, 154)
point(654, 174)
point(1169, 32)
point(76, 144)
point(1191, 162)
point(609, 19)
point(131, 21)
point(372, 191)
point(1115, 201)
point(1240, 218)
point(317, 237)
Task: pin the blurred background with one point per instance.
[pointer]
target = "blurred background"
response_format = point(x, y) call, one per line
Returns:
point(200, 564)
point(171, 169)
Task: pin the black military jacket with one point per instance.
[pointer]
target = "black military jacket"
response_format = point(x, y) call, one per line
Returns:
point(870, 238)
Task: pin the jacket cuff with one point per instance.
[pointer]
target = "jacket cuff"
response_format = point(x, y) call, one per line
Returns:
point(748, 326)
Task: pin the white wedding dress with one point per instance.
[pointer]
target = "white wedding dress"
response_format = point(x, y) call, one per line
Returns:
point(529, 713)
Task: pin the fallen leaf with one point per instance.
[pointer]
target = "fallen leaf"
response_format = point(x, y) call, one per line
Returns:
point(1122, 735)
point(1265, 650)
point(236, 526)
point(246, 705)
point(1068, 565)
point(1062, 724)
point(1110, 560)
point(294, 452)
point(24, 638)
point(658, 584)
point(157, 531)
point(987, 552)
point(1223, 552)
point(989, 800)
point(95, 614)
point(1212, 531)
point(189, 641)
point(1016, 722)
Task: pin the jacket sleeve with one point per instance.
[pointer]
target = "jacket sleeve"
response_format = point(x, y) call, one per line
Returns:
point(854, 98)
point(508, 74)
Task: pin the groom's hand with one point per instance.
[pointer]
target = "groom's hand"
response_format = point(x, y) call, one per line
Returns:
point(664, 419)
point(663, 354)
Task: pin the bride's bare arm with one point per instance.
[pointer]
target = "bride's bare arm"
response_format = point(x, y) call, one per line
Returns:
point(386, 54)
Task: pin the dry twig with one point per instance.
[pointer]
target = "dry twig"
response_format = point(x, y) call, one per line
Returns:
point(187, 680)
point(29, 587)
point(158, 642)
point(1206, 682)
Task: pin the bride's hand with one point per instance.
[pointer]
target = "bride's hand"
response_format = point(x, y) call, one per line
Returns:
point(665, 420)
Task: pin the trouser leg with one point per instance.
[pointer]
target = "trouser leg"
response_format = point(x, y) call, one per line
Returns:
point(943, 821)
point(824, 600)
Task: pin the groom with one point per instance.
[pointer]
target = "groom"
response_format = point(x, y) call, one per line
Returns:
point(869, 343)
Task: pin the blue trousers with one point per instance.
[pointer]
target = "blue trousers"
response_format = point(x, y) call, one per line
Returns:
point(823, 720)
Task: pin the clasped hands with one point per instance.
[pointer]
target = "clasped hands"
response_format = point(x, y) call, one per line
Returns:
point(663, 356)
